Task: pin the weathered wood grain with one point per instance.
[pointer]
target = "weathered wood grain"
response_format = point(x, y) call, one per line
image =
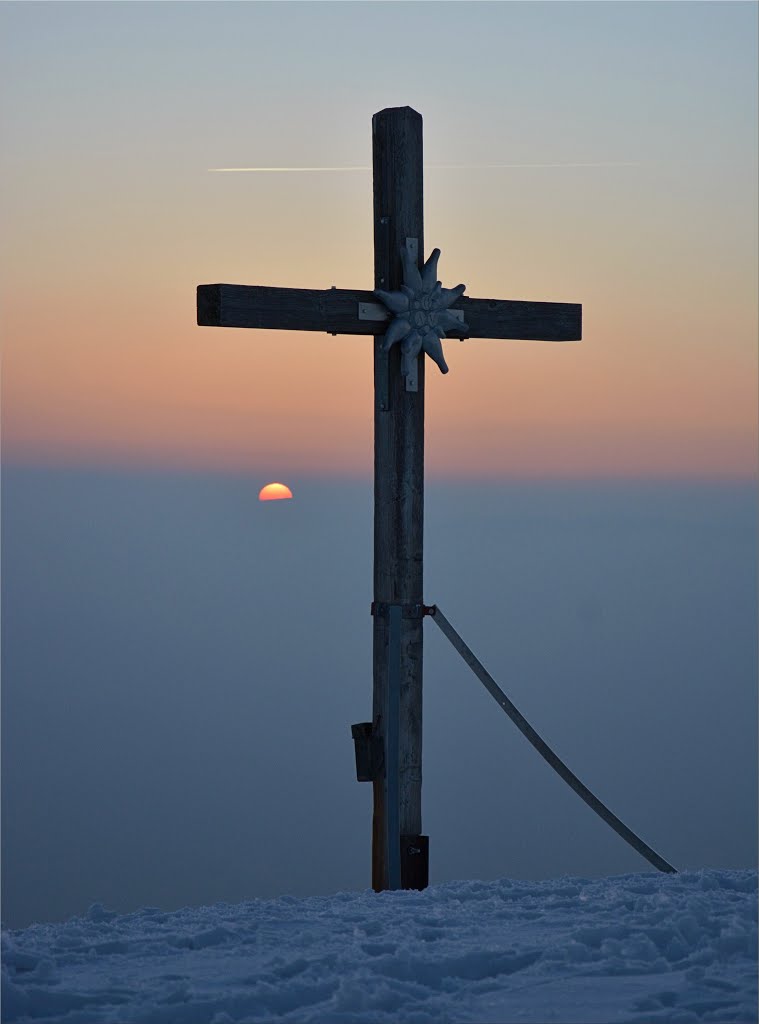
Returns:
point(529, 321)
point(283, 309)
point(335, 310)
point(398, 471)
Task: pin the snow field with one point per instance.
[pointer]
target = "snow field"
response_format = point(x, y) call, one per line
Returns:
point(644, 947)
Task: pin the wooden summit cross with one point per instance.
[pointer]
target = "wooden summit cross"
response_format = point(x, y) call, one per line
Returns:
point(389, 749)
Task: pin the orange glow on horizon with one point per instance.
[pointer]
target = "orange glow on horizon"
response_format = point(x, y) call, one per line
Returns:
point(274, 492)
point(646, 393)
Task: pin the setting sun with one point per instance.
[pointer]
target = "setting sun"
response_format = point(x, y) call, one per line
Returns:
point(274, 492)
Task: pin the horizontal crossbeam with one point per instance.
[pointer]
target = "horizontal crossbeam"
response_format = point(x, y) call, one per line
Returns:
point(336, 311)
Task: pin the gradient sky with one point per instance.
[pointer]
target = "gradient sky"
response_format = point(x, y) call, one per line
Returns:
point(113, 114)
point(161, 628)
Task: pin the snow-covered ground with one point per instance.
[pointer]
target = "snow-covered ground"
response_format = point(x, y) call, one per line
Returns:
point(643, 947)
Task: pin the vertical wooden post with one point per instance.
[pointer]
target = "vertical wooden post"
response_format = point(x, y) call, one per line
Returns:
point(398, 476)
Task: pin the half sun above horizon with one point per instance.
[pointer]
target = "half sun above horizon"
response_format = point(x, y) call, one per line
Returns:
point(274, 492)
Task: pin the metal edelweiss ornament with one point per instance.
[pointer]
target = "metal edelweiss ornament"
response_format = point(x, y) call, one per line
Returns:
point(422, 316)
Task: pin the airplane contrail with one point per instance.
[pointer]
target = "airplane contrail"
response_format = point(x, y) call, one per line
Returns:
point(270, 170)
point(429, 167)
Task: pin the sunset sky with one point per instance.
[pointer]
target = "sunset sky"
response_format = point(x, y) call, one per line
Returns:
point(637, 126)
point(181, 662)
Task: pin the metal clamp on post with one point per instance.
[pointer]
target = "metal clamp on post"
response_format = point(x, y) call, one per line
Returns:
point(408, 611)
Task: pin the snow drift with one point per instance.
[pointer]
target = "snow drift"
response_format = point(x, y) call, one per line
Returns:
point(640, 947)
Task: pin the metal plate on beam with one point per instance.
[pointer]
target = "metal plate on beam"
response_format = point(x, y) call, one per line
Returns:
point(410, 370)
point(376, 311)
point(381, 374)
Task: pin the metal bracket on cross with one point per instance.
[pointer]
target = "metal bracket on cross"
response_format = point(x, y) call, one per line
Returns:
point(408, 611)
point(419, 312)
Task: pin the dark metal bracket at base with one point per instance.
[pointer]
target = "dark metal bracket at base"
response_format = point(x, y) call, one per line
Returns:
point(415, 862)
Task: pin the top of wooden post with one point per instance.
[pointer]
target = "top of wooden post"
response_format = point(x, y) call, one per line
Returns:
point(397, 111)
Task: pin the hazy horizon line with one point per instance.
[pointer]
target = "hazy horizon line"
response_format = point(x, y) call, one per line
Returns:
point(309, 476)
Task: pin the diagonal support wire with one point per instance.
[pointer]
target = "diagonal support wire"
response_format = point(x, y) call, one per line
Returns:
point(542, 747)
